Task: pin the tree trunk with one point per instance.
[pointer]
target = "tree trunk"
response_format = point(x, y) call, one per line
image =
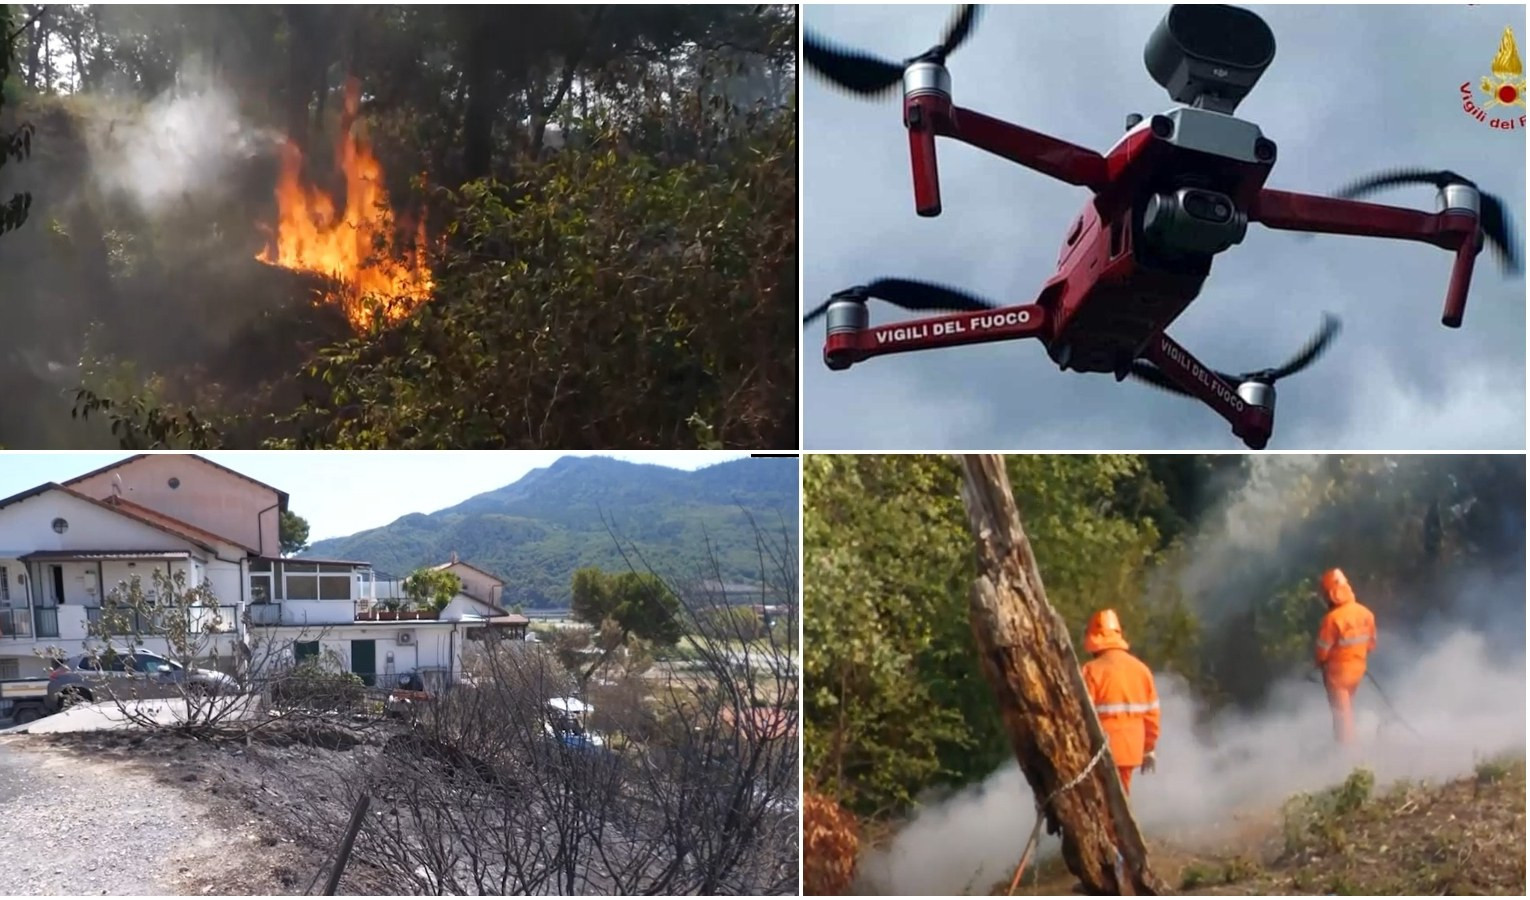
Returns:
point(1028, 659)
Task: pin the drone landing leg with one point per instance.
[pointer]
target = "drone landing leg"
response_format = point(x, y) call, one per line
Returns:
point(844, 348)
point(1250, 422)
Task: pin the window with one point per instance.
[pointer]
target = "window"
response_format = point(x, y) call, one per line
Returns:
point(174, 483)
point(302, 587)
point(334, 587)
point(60, 525)
point(5, 587)
point(10, 667)
point(305, 650)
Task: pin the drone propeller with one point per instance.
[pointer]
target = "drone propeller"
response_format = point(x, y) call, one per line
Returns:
point(914, 296)
point(861, 73)
point(1147, 372)
point(1493, 217)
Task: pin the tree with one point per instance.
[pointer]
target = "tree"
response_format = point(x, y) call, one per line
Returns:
point(293, 533)
point(623, 606)
point(432, 588)
point(16, 146)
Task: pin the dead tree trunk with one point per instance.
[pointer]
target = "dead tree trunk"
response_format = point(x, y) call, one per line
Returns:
point(1029, 661)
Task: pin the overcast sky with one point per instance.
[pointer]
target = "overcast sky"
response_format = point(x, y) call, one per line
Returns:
point(341, 492)
point(1352, 90)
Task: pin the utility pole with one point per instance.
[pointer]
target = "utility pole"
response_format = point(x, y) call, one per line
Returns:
point(1028, 659)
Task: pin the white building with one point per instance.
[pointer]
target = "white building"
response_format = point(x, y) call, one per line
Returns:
point(66, 547)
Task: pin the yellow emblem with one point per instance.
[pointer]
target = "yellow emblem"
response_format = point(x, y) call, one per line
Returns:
point(1507, 87)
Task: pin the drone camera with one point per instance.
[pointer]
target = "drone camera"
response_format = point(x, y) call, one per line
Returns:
point(1209, 56)
point(1193, 221)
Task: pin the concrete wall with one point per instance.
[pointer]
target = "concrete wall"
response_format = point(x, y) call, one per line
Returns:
point(206, 496)
point(431, 648)
point(476, 584)
point(27, 526)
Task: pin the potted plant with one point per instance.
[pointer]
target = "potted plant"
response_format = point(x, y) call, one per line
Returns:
point(431, 590)
point(390, 610)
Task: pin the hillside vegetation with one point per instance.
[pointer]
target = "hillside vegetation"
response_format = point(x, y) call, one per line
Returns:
point(536, 532)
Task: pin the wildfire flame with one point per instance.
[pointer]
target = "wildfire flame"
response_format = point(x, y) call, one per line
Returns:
point(312, 235)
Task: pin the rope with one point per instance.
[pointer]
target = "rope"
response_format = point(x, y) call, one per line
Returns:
point(1030, 845)
point(1395, 714)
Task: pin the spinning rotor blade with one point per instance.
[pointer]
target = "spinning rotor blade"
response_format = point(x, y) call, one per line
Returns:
point(914, 296)
point(1493, 218)
point(1146, 372)
point(1304, 357)
point(857, 72)
point(862, 73)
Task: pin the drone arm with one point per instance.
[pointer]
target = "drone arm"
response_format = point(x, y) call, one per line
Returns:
point(930, 114)
point(844, 348)
point(1253, 424)
point(1032, 149)
point(1454, 230)
point(1332, 215)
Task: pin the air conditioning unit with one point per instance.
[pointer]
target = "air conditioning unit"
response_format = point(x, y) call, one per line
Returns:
point(404, 638)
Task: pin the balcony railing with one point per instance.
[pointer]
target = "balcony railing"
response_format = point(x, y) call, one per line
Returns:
point(124, 622)
point(25, 624)
point(372, 612)
point(45, 621)
point(264, 613)
point(15, 623)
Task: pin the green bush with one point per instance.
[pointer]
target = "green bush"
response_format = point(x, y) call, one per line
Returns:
point(311, 686)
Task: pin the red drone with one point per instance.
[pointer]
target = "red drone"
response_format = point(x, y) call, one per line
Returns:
point(1175, 191)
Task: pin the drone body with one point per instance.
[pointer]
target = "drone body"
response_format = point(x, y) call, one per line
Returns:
point(1174, 192)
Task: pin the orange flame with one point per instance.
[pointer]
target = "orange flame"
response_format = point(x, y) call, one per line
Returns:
point(313, 236)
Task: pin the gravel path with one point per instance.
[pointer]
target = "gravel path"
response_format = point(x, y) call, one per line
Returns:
point(78, 826)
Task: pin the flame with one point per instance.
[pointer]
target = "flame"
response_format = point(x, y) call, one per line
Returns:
point(313, 236)
point(1507, 61)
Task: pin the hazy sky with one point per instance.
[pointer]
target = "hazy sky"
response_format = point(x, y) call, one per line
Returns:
point(341, 492)
point(1352, 90)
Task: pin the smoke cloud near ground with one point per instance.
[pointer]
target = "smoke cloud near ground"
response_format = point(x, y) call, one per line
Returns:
point(186, 141)
point(1466, 703)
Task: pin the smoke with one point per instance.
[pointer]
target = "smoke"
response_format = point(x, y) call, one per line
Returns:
point(1251, 522)
point(1465, 702)
point(185, 143)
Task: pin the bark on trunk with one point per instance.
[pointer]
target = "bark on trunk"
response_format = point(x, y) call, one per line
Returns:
point(1028, 659)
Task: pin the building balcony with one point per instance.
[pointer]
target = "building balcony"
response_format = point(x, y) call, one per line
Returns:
point(29, 624)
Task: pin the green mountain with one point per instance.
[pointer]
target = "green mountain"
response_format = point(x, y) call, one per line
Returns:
point(536, 532)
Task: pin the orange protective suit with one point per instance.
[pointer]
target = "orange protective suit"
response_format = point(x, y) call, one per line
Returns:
point(1123, 693)
point(1346, 637)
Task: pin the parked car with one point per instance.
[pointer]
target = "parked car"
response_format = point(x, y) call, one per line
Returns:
point(124, 675)
point(23, 700)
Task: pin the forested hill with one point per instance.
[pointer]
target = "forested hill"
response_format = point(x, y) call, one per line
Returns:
point(536, 532)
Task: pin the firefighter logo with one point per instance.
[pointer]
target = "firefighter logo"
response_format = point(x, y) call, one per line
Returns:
point(1505, 89)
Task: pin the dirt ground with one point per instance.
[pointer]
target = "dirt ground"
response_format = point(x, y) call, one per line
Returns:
point(230, 799)
point(1466, 836)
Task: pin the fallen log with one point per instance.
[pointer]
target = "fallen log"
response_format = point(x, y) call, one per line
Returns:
point(1029, 662)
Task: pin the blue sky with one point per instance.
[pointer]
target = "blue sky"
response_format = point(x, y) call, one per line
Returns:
point(1352, 90)
point(341, 492)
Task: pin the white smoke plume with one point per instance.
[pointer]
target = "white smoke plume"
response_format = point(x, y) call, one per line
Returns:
point(187, 141)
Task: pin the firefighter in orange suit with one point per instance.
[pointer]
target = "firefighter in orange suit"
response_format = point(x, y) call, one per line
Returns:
point(1346, 637)
point(1124, 696)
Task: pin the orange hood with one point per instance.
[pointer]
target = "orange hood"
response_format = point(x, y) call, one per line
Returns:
point(1104, 633)
point(1337, 586)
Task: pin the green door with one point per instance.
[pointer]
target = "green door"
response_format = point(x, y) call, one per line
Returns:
point(364, 661)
